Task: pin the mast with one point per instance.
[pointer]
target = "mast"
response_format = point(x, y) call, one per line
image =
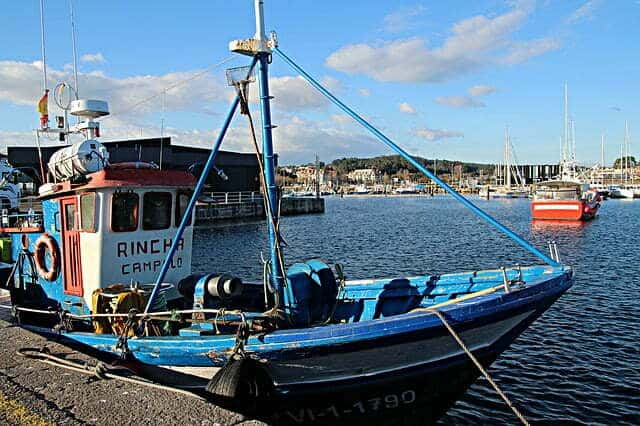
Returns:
point(260, 47)
point(627, 163)
point(507, 158)
point(602, 151)
point(565, 146)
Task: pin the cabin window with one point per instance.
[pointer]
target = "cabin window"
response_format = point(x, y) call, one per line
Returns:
point(181, 206)
point(124, 212)
point(70, 217)
point(88, 212)
point(156, 210)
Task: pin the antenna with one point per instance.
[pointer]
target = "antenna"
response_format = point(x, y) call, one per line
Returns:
point(73, 43)
point(44, 55)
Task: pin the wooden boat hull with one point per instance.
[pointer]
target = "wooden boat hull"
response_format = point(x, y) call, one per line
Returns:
point(564, 209)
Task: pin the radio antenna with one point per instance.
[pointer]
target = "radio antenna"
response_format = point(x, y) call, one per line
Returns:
point(44, 55)
point(73, 43)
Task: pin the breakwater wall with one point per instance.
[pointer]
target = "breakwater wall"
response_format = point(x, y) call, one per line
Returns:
point(207, 213)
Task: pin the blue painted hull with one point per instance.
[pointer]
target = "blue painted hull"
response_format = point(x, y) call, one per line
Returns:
point(394, 366)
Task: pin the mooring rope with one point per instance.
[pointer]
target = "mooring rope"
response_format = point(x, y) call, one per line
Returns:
point(101, 370)
point(480, 367)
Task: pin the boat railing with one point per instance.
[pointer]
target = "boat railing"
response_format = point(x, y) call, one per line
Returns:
point(237, 197)
point(20, 221)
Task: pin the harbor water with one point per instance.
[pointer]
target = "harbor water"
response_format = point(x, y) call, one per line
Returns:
point(579, 363)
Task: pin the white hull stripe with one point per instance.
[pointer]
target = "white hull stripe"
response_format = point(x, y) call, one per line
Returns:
point(571, 207)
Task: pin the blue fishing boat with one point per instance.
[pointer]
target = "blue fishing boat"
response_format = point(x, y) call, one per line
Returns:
point(107, 268)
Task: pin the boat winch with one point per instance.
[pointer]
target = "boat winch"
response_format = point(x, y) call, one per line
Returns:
point(210, 291)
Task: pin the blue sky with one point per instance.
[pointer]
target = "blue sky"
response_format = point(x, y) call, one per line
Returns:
point(440, 78)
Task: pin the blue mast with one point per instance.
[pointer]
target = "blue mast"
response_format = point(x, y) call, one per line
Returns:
point(269, 167)
point(260, 48)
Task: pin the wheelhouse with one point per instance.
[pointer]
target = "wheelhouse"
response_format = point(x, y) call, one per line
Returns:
point(113, 227)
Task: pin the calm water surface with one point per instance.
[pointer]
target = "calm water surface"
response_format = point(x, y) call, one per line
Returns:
point(579, 363)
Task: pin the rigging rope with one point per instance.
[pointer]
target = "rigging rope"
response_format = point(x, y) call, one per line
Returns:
point(480, 367)
point(173, 86)
point(275, 222)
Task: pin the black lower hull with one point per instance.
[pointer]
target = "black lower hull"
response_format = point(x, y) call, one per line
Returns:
point(413, 396)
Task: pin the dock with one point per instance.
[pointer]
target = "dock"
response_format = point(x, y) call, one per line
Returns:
point(39, 394)
point(238, 206)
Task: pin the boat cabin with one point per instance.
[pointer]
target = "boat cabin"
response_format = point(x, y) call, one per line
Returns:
point(113, 226)
point(560, 190)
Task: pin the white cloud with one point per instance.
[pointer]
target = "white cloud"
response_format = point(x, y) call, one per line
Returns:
point(92, 57)
point(294, 93)
point(20, 83)
point(472, 44)
point(406, 108)
point(364, 92)
point(586, 11)
point(296, 138)
point(459, 101)
point(403, 19)
point(481, 90)
point(521, 51)
point(437, 134)
point(196, 90)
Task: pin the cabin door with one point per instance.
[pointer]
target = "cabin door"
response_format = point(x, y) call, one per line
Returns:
point(71, 262)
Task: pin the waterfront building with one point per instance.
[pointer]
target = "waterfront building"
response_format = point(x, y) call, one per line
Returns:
point(363, 176)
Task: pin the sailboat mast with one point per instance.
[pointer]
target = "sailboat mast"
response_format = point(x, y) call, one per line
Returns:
point(565, 147)
point(507, 158)
point(627, 163)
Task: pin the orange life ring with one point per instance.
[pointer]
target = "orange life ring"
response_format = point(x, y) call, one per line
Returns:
point(43, 244)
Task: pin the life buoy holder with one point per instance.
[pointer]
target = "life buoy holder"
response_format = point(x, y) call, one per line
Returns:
point(45, 243)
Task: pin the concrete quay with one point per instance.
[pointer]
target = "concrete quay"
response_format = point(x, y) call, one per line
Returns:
point(208, 213)
point(34, 393)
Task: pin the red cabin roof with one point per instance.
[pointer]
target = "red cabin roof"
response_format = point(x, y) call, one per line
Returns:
point(114, 177)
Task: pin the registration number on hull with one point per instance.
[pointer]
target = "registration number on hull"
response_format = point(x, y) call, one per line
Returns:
point(360, 407)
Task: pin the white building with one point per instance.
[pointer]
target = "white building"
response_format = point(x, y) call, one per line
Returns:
point(363, 176)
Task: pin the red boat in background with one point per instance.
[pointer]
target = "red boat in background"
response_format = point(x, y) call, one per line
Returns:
point(558, 200)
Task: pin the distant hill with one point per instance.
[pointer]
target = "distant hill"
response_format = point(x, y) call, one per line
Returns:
point(394, 164)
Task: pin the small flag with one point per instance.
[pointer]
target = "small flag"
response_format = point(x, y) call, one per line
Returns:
point(43, 109)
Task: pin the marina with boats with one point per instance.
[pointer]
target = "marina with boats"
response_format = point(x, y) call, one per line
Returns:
point(109, 263)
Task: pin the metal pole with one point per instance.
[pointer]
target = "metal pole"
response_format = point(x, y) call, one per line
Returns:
point(192, 202)
point(164, 95)
point(44, 55)
point(44, 177)
point(277, 277)
point(515, 237)
point(73, 43)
